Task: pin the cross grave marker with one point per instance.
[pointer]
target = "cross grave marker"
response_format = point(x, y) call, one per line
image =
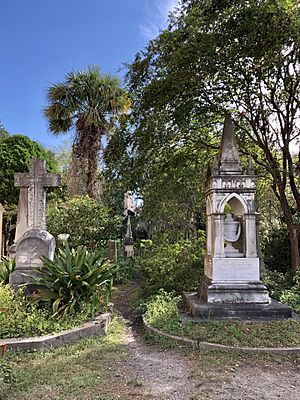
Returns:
point(36, 181)
point(34, 241)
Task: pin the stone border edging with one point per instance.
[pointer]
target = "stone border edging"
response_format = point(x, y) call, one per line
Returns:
point(97, 327)
point(220, 347)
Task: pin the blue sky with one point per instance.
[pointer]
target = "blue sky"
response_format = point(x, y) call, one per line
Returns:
point(42, 40)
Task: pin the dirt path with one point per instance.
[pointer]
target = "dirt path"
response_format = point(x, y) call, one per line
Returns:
point(163, 374)
point(172, 375)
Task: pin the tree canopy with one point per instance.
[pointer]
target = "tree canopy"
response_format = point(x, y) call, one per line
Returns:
point(16, 151)
point(90, 103)
point(219, 56)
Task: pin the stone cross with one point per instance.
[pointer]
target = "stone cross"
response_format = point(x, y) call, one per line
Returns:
point(35, 182)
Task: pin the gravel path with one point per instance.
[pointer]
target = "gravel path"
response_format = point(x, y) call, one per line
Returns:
point(170, 375)
point(165, 375)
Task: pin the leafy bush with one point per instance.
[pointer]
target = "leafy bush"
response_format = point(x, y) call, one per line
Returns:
point(284, 288)
point(19, 317)
point(87, 221)
point(126, 270)
point(291, 298)
point(7, 266)
point(171, 267)
point(75, 278)
point(161, 309)
point(277, 251)
point(276, 282)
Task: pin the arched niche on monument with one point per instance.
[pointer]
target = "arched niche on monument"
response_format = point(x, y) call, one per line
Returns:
point(233, 208)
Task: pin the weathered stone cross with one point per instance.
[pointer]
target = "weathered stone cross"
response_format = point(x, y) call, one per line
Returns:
point(35, 181)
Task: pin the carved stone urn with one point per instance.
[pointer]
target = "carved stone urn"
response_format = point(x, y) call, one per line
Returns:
point(232, 232)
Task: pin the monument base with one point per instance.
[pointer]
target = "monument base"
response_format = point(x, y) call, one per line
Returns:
point(270, 311)
point(231, 292)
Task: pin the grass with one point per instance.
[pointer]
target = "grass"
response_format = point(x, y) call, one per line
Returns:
point(90, 370)
point(253, 334)
point(162, 313)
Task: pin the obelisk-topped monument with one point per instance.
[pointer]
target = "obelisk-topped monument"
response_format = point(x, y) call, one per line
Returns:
point(231, 286)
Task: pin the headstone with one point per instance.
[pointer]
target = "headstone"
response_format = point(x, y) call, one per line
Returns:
point(35, 241)
point(112, 250)
point(231, 286)
point(128, 240)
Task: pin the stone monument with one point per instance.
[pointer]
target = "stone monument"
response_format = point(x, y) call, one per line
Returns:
point(231, 286)
point(33, 241)
point(128, 240)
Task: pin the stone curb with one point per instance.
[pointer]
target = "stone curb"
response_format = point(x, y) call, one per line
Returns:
point(220, 347)
point(97, 327)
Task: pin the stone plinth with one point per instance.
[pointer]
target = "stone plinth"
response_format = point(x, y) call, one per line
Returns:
point(270, 311)
point(30, 247)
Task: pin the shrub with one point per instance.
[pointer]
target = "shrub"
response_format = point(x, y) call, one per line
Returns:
point(126, 270)
point(284, 288)
point(7, 266)
point(19, 317)
point(291, 298)
point(171, 267)
point(277, 251)
point(87, 221)
point(161, 309)
point(75, 278)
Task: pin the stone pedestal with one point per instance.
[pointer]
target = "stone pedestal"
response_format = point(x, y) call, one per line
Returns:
point(202, 311)
point(30, 247)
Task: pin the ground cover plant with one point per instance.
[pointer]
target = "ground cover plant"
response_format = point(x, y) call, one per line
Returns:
point(20, 318)
point(284, 288)
point(72, 289)
point(74, 279)
point(162, 312)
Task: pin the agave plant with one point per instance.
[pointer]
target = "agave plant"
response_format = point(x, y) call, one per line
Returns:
point(75, 278)
point(7, 266)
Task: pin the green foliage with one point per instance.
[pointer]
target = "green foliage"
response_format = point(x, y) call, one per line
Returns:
point(284, 287)
point(291, 298)
point(21, 318)
point(214, 57)
point(170, 266)
point(161, 309)
point(126, 270)
point(7, 266)
point(75, 278)
point(87, 221)
point(15, 154)
point(91, 103)
point(7, 374)
point(277, 251)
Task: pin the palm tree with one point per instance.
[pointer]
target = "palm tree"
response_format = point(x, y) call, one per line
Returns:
point(90, 104)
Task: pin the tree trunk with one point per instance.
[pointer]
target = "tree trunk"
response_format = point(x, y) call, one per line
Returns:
point(292, 228)
point(295, 256)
